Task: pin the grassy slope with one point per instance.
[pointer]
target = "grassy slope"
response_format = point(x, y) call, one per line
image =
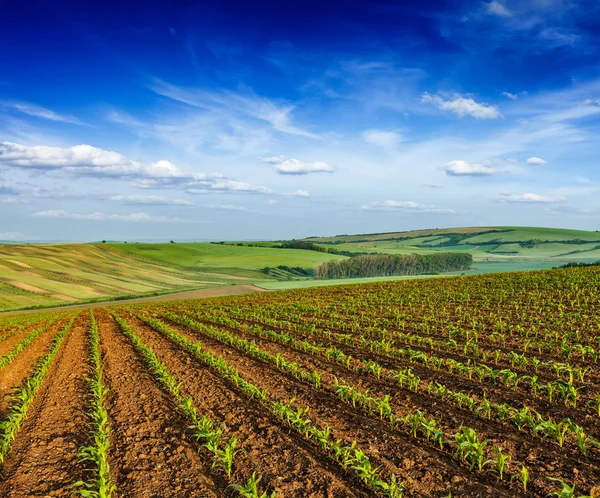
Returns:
point(105, 271)
point(216, 257)
point(64, 273)
point(506, 249)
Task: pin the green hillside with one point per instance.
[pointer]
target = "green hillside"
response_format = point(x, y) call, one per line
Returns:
point(56, 274)
point(486, 244)
point(33, 275)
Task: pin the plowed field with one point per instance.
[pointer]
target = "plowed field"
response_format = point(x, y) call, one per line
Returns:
point(478, 386)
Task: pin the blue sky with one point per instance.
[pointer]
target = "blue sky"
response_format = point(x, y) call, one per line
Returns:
point(240, 120)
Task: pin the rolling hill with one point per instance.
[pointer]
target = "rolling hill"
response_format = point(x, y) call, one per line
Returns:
point(41, 275)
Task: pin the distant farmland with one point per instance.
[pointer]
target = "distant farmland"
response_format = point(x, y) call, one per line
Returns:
point(48, 275)
point(40, 275)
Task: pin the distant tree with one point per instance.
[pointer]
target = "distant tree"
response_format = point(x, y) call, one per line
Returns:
point(104, 241)
point(172, 242)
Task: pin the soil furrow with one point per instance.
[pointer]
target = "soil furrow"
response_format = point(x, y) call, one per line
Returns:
point(427, 471)
point(150, 454)
point(520, 444)
point(43, 460)
point(22, 366)
point(286, 462)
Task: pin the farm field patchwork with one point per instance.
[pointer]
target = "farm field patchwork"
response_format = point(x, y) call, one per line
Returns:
point(482, 385)
point(58, 274)
point(502, 244)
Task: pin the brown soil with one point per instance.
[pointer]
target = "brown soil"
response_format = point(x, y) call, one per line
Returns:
point(287, 463)
point(426, 471)
point(520, 444)
point(43, 459)
point(150, 453)
point(22, 366)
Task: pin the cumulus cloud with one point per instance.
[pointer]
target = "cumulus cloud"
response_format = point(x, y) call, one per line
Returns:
point(226, 207)
point(86, 160)
point(272, 159)
point(461, 106)
point(463, 168)
point(39, 112)
point(404, 207)
point(134, 217)
point(536, 161)
point(510, 96)
point(298, 193)
point(16, 236)
point(382, 138)
point(496, 8)
point(156, 200)
point(285, 166)
point(529, 198)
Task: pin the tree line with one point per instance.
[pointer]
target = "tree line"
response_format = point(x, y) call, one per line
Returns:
point(385, 265)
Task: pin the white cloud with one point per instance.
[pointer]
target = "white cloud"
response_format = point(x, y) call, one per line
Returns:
point(510, 96)
point(591, 102)
point(295, 167)
point(529, 198)
point(536, 161)
point(39, 112)
point(382, 138)
point(574, 210)
point(228, 186)
point(278, 115)
point(7, 189)
point(134, 217)
point(226, 207)
point(299, 193)
point(156, 200)
point(559, 37)
point(497, 8)
point(463, 168)
point(433, 185)
point(272, 159)
point(462, 106)
point(86, 160)
point(405, 207)
point(16, 236)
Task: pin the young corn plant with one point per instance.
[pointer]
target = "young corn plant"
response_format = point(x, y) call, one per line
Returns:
point(566, 491)
point(101, 486)
point(203, 429)
point(470, 449)
point(23, 396)
point(296, 419)
point(250, 489)
point(500, 461)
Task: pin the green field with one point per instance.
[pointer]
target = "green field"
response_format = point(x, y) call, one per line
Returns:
point(35, 275)
point(486, 244)
point(42, 275)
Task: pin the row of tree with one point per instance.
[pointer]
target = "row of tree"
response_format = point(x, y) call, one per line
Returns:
point(384, 265)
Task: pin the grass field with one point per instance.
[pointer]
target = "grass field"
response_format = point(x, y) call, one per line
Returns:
point(483, 385)
point(503, 244)
point(50, 275)
point(38, 275)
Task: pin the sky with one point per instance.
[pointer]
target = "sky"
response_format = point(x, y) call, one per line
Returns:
point(223, 120)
